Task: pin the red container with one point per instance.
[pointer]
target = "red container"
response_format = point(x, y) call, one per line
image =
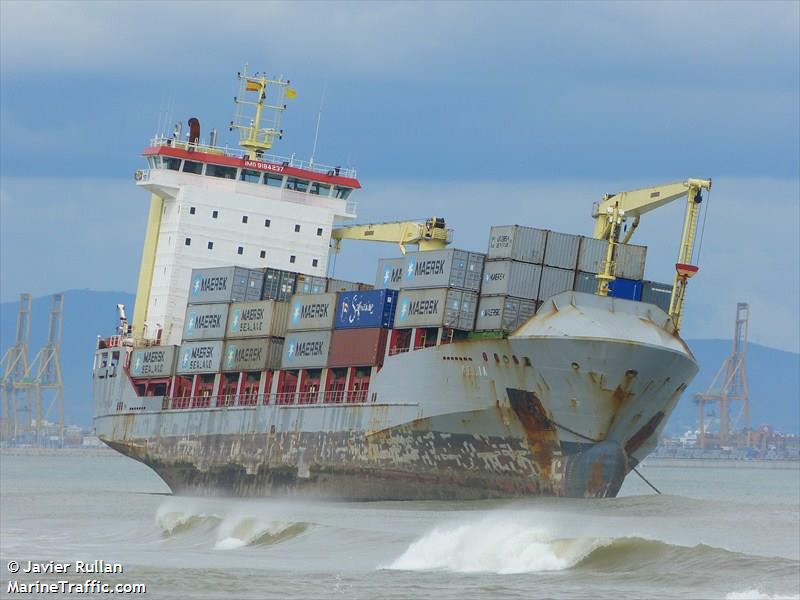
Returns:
point(357, 347)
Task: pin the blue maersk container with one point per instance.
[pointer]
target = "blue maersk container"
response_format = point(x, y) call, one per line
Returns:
point(629, 289)
point(361, 309)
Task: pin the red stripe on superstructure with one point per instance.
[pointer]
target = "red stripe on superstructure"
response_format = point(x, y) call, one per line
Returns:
point(256, 165)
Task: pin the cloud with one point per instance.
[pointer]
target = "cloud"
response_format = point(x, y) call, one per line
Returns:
point(478, 42)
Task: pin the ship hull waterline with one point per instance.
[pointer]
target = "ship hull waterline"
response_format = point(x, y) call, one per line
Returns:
point(460, 428)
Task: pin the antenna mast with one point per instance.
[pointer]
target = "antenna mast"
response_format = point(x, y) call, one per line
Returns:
point(270, 96)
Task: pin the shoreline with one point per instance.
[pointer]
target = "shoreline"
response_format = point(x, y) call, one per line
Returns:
point(724, 463)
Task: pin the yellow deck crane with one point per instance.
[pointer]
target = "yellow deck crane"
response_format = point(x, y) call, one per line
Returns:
point(430, 235)
point(615, 209)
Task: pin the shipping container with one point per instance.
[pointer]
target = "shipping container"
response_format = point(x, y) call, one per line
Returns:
point(153, 361)
point(629, 289)
point(373, 308)
point(278, 285)
point(205, 321)
point(518, 243)
point(390, 273)
point(440, 307)
point(592, 254)
point(266, 318)
point(357, 347)
point(340, 285)
point(252, 354)
point(554, 281)
point(656, 293)
point(199, 357)
point(443, 268)
point(504, 313)
point(306, 350)
point(309, 284)
point(586, 282)
point(511, 278)
point(561, 250)
point(312, 311)
point(221, 284)
point(630, 261)
point(255, 283)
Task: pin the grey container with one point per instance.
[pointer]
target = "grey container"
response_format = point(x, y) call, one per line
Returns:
point(199, 357)
point(443, 268)
point(219, 284)
point(278, 285)
point(252, 354)
point(390, 273)
point(592, 254)
point(511, 278)
point(554, 281)
point(255, 283)
point(516, 242)
point(153, 361)
point(561, 250)
point(205, 321)
point(306, 350)
point(309, 284)
point(257, 319)
point(439, 307)
point(312, 311)
point(504, 313)
point(630, 260)
point(656, 293)
point(340, 285)
point(586, 282)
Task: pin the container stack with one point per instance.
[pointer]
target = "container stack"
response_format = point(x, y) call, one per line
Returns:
point(656, 293)
point(254, 335)
point(437, 288)
point(308, 337)
point(362, 322)
point(525, 266)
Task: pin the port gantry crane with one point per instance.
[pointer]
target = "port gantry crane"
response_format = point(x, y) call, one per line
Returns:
point(615, 209)
point(430, 235)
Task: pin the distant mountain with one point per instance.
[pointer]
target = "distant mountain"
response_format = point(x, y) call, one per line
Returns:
point(773, 375)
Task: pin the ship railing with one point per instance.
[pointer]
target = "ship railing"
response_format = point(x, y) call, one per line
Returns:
point(279, 399)
point(286, 161)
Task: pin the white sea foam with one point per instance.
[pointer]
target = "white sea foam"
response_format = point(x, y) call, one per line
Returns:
point(498, 544)
point(755, 594)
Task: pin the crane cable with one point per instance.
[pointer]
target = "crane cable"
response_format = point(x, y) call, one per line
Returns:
point(703, 228)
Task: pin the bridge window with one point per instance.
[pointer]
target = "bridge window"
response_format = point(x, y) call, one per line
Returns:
point(251, 176)
point(273, 180)
point(298, 185)
point(220, 171)
point(341, 192)
point(190, 166)
point(173, 164)
point(320, 189)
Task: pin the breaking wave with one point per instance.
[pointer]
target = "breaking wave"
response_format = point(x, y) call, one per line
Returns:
point(506, 546)
point(227, 531)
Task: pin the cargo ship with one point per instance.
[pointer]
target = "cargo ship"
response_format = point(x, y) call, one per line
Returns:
point(545, 365)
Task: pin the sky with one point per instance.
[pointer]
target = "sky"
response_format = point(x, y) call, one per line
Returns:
point(484, 113)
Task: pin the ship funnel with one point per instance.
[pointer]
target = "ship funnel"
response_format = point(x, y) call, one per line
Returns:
point(212, 138)
point(194, 131)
